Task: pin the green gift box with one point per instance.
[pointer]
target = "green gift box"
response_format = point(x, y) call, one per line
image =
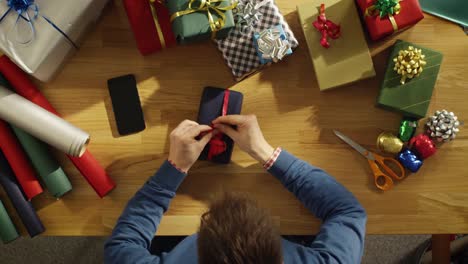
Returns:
point(193, 24)
point(413, 97)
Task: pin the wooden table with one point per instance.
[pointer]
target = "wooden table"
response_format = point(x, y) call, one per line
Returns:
point(293, 113)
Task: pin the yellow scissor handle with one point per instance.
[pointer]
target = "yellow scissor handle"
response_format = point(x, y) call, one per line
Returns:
point(384, 161)
point(382, 181)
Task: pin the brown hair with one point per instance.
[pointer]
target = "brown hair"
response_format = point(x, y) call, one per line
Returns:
point(236, 231)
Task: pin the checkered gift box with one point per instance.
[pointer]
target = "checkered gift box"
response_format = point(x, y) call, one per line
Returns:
point(238, 48)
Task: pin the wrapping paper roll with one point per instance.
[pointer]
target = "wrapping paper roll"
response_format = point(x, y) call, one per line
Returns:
point(8, 231)
point(24, 208)
point(19, 162)
point(46, 165)
point(86, 164)
point(48, 168)
point(42, 124)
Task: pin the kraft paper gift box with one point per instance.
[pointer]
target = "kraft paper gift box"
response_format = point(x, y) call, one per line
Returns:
point(414, 96)
point(238, 48)
point(195, 26)
point(47, 49)
point(404, 14)
point(347, 60)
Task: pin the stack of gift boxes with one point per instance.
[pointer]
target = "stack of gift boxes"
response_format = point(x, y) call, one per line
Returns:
point(38, 36)
point(249, 34)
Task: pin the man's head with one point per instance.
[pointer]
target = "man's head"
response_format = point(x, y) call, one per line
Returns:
point(236, 231)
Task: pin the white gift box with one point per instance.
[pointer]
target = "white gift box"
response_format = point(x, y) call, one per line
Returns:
point(47, 49)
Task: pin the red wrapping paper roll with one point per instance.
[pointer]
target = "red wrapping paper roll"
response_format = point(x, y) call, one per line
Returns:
point(19, 162)
point(88, 166)
point(152, 33)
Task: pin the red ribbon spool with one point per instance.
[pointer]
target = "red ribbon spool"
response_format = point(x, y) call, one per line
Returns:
point(423, 145)
point(326, 27)
point(217, 145)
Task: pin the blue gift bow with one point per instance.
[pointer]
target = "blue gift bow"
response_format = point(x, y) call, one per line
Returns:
point(21, 7)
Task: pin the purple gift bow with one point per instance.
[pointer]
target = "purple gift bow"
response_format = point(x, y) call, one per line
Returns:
point(23, 7)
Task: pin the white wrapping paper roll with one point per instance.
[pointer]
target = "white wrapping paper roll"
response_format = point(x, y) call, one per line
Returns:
point(42, 124)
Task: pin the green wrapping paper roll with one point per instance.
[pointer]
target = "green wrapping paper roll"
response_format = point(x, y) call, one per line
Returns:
point(8, 231)
point(48, 168)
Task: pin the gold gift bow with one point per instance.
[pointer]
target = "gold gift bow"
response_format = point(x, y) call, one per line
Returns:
point(371, 11)
point(207, 5)
point(156, 23)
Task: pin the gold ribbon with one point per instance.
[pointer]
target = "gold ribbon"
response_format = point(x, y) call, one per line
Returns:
point(156, 23)
point(208, 6)
point(372, 11)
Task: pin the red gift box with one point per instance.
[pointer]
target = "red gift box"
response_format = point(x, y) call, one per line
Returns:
point(150, 22)
point(410, 13)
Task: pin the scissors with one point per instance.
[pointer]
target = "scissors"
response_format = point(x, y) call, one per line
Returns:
point(383, 181)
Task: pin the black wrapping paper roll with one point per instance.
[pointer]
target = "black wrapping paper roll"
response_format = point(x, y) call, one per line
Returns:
point(23, 207)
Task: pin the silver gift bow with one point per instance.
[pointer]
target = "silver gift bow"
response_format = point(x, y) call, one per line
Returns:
point(247, 15)
point(271, 45)
point(443, 126)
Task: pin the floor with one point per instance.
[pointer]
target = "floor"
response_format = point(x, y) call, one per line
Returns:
point(43, 250)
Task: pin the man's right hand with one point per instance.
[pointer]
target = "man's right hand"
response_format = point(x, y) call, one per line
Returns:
point(247, 135)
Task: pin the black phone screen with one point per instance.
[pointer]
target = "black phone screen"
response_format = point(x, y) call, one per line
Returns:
point(126, 104)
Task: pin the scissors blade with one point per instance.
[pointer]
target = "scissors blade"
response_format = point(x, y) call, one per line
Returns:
point(353, 144)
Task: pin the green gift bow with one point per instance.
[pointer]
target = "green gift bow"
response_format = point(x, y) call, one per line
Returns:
point(385, 8)
point(208, 6)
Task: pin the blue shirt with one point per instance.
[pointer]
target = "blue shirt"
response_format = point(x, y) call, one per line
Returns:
point(340, 239)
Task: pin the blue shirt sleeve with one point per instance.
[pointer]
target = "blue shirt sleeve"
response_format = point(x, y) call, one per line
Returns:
point(341, 236)
point(131, 238)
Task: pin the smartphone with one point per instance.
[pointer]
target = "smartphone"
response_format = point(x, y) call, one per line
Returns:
point(126, 104)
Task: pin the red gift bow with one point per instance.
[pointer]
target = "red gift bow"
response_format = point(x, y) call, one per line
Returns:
point(326, 27)
point(217, 145)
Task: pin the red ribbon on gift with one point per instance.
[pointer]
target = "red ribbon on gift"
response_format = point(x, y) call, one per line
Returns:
point(326, 27)
point(217, 145)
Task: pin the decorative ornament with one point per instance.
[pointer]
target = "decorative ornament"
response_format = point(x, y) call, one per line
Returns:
point(409, 63)
point(443, 126)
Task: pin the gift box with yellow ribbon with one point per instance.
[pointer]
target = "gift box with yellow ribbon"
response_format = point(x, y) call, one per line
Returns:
point(384, 17)
point(197, 20)
point(150, 22)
